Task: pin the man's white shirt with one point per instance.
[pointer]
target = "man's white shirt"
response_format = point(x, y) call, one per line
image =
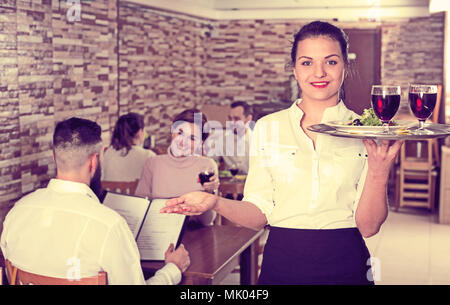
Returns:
point(64, 231)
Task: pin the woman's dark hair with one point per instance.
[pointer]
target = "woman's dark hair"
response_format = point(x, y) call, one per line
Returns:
point(126, 128)
point(193, 116)
point(319, 28)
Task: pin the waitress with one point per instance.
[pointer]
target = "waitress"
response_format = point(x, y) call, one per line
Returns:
point(319, 194)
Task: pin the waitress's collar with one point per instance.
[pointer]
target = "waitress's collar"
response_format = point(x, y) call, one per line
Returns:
point(334, 112)
point(330, 113)
point(65, 186)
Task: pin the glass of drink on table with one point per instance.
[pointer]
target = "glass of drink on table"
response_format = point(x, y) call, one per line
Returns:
point(234, 170)
point(205, 175)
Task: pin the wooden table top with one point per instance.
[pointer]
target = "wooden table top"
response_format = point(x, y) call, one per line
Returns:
point(212, 248)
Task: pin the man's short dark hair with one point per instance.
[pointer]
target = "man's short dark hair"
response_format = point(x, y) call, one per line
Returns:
point(248, 110)
point(76, 131)
point(74, 141)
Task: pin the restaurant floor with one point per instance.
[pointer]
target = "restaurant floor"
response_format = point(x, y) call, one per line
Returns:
point(410, 249)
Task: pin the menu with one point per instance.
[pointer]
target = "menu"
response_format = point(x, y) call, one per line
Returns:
point(153, 231)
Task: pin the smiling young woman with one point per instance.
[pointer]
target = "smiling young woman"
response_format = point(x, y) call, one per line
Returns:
point(314, 194)
point(177, 172)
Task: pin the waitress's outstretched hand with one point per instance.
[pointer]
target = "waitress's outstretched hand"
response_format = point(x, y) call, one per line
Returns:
point(194, 203)
point(381, 157)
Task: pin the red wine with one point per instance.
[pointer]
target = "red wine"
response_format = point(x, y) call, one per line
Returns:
point(204, 177)
point(234, 171)
point(422, 104)
point(385, 107)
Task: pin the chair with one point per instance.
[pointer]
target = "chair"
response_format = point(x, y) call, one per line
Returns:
point(435, 119)
point(19, 277)
point(416, 175)
point(123, 187)
point(416, 171)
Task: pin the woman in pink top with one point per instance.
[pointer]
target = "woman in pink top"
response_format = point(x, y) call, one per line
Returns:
point(177, 172)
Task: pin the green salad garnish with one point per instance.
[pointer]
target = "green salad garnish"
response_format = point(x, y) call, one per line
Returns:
point(225, 173)
point(368, 118)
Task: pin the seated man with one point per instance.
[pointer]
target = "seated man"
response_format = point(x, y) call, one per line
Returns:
point(64, 231)
point(237, 137)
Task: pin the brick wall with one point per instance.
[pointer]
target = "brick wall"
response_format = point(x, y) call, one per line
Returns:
point(413, 52)
point(162, 62)
point(52, 69)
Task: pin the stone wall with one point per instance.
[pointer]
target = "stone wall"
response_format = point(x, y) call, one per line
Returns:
point(162, 62)
point(413, 52)
point(51, 69)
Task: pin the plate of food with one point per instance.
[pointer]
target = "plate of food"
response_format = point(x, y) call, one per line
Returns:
point(369, 123)
point(368, 126)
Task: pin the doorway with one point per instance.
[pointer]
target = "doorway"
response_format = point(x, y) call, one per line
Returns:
point(365, 63)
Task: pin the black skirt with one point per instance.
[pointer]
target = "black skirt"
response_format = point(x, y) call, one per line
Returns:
point(315, 257)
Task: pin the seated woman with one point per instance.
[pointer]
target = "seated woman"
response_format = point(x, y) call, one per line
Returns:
point(177, 172)
point(125, 158)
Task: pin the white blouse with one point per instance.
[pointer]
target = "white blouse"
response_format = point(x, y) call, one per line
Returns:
point(297, 186)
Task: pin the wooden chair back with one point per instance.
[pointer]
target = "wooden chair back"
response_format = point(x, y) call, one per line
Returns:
point(417, 175)
point(417, 155)
point(19, 277)
point(123, 187)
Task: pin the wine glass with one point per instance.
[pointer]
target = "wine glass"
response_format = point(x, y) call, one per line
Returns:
point(385, 103)
point(422, 99)
point(234, 170)
point(205, 174)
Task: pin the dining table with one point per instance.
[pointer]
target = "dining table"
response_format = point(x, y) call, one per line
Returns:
point(215, 251)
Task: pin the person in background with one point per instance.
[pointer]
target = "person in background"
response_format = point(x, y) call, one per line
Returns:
point(237, 137)
point(319, 194)
point(63, 230)
point(177, 172)
point(125, 158)
point(230, 146)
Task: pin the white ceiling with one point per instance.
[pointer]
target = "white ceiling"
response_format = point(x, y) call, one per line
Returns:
point(344, 10)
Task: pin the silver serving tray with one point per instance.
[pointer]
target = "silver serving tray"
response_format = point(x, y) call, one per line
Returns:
point(437, 131)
